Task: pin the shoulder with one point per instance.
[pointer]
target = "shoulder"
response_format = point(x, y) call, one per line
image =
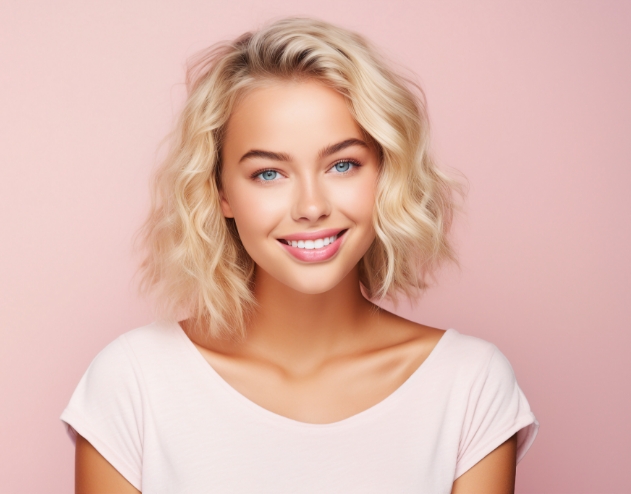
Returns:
point(121, 357)
point(117, 374)
point(145, 338)
point(108, 406)
point(155, 333)
point(493, 407)
point(454, 348)
point(479, 373)
point(454, 356)
point(469, 349)
point(465, 351)
point(475, 353)
point(396, 330)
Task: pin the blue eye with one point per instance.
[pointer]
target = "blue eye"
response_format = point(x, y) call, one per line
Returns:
point(343, 166)
point(268, 175)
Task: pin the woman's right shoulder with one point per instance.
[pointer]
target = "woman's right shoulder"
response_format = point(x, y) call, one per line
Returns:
point(141, 340)
point(118, 373)
point(125, 356)
point(108, 406)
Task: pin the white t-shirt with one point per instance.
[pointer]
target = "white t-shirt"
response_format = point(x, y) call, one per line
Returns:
point(158, 412)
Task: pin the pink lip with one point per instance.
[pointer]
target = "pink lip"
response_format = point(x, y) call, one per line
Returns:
point(313, 235)
point(315, 255)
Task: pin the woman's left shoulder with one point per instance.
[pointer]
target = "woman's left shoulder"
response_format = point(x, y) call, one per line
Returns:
point(449, 352)
point(493, 405)
point(473, 352)
point(449, 343)
point(458, 358)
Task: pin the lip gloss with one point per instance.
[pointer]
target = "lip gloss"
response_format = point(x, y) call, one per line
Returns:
point(315, 255)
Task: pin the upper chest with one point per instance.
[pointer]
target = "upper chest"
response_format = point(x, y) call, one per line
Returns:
point(376, 426)
point(330, 393)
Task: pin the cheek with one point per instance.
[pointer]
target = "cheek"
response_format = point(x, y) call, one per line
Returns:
point(256, 210)
point(358, 200)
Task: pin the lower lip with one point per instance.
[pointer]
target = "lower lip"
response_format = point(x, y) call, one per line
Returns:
point(315, 255)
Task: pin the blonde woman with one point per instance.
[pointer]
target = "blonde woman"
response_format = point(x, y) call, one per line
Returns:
point(298, 187)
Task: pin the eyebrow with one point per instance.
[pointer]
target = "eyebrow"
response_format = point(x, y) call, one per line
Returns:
point(334, 148)
point(268, 155)
point(327, 151)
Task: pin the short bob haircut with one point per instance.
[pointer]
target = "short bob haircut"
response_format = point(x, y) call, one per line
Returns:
point(194, 261)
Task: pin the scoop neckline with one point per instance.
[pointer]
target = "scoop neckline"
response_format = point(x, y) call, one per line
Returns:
point(278, 419)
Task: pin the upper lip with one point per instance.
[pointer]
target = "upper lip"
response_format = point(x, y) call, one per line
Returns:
point(313, 235)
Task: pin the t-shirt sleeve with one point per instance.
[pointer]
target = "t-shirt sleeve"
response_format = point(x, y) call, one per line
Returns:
point(496, 410)
point(106, 409)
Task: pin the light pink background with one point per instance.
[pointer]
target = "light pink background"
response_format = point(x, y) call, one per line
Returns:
point(530, 100)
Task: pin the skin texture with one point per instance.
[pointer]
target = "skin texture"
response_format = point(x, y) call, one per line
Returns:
point(307, 194)
point(316, 350)
point(494, 474)
point(94, 475)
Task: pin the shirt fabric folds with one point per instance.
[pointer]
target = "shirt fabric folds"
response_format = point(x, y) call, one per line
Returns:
point(158, 412)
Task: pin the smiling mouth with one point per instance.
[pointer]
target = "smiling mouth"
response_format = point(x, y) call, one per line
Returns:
point(317, 243)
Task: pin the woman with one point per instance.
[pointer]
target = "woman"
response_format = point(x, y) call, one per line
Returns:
point(298, 177)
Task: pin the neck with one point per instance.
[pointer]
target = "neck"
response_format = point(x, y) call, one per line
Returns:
point(305, 329)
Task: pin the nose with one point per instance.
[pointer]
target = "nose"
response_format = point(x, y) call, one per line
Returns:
point(310, 200)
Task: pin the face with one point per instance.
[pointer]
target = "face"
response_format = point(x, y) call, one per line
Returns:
point(299, 178)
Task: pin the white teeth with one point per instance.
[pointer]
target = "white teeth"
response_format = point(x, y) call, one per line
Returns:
point(313, 244)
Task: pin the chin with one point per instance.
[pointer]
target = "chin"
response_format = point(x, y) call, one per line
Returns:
point(310, 283)
point(313, 288)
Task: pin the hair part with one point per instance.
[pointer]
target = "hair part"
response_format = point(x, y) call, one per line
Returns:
point(194, 260)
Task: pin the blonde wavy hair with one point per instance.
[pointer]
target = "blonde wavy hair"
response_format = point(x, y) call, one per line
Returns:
point(194, 260)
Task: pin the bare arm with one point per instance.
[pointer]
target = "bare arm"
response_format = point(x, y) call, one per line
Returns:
point(494, 474)
point(95, 475)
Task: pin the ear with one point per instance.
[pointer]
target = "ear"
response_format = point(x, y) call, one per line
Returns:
point(226, 210)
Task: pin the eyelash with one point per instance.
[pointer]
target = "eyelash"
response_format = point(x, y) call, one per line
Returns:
point(355, 163)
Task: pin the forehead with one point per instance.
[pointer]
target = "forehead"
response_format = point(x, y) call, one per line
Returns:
point(289, 116)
